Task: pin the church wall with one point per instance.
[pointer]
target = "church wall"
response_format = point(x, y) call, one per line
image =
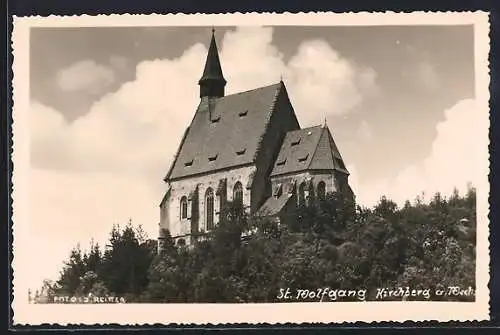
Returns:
point(328, 178)
point(282, 121)
point(170, 211)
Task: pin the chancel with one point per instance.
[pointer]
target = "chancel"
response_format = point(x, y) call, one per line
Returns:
point(247, 148)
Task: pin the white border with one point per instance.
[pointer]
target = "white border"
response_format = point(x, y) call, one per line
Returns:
point(33, 314)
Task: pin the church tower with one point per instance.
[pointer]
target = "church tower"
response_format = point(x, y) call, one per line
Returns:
point(212, 83)
point(246, 148)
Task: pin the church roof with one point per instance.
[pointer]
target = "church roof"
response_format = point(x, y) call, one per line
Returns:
point(213, 69)
point(225, 132)
point(310, 148)
point(274, 205)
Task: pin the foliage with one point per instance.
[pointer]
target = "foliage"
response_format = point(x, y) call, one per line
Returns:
point(331, 243)
point(120, 270)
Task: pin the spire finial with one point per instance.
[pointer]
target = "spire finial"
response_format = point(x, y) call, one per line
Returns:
point(324, 122)
point(213, 30)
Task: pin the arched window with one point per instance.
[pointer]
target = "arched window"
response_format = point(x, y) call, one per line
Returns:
point(302, 195)
point(238, 194)
point(184, 208)
point(321, 190)
point(209, 208)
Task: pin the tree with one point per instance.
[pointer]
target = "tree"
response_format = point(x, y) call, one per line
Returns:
point(73, 270)
point(332, 243)
point(126, 262)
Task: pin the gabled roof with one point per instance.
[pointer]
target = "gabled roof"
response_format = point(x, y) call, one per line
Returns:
point(310, 148)
point(225, 132)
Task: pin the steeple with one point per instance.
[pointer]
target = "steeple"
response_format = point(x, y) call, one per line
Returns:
point(212, 83)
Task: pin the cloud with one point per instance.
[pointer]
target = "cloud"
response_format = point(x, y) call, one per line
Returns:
point(427, 75)
point(86, 76)
point(456, 159)
point(108, 165)
point(140, 124)
point(364, 132)
point(320, 81)
point(323, 83)
point(249, 60)
point(422, 75)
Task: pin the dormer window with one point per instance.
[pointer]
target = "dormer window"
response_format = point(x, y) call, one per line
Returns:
point(189, 163)
point(296, 142)
point(216, 119)
point(241, 114)
point(212, 158)
point(241, 152)
point(303, 158)
point(281, 162)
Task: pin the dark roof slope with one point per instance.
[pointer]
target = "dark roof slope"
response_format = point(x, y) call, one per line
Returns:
point(274, 205)
point(310, 148)
point(213, 69)
point(225, 132)
point(297, 150)
point(327, 155)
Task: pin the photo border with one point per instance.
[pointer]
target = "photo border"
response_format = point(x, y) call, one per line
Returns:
point(21, 97)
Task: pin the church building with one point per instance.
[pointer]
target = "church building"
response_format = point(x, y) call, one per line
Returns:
point(247, 148)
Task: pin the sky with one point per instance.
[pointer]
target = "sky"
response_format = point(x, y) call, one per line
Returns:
point(109, 106)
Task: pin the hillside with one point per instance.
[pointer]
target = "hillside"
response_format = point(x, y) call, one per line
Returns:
point(335, 251)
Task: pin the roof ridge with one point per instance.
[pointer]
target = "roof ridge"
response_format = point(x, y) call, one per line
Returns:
point(272, 108)
point(302, 129)
point(311, 127)
point(251, 90)
point(334, 145)
point(316, 146)
point(336, 151)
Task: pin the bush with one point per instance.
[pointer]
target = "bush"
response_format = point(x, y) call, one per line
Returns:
point(333, 244)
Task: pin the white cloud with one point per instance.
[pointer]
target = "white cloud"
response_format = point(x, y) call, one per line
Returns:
point(85, 75)
point(249, 60)
point(45, 123)
point(138, 127)
point(364, 132)
point(455, 160)
point(427, 75)
point(320, 81)
point(323, 83)
point(423, 75)
point(108, 165)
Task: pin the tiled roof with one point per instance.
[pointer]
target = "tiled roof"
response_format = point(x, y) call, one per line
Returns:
point(274, 205)
point(310, 148)
point(225, 132)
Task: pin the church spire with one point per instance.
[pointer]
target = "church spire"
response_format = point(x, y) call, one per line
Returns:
point(212, 82)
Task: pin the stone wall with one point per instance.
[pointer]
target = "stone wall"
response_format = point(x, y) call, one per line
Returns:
point(316, 177)
point(170, 209)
